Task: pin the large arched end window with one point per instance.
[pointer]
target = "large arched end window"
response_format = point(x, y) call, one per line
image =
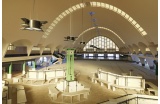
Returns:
point(101, 44)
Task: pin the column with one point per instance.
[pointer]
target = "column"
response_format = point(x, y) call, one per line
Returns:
point(23, 69)
point(70, 65)
point(33, 65)
point(9, 75)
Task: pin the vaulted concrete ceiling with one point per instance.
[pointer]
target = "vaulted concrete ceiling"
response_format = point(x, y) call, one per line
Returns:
point(144, 12)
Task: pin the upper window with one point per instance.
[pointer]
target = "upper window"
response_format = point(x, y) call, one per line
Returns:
point(11, 47)
point(101, 44)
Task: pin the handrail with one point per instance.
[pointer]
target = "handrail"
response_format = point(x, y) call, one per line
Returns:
point(125, 101)
point(135, 98)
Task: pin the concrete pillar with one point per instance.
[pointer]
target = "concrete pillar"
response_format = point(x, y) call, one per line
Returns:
point(33, 65)
point(9, 75)
point(23, 69)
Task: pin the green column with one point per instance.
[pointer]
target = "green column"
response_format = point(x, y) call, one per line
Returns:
point(10, 69)
point(70, 65)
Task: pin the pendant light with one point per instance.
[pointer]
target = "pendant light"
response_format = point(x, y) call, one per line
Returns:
point(70, 37)
point(32, 24)
point(82, 42)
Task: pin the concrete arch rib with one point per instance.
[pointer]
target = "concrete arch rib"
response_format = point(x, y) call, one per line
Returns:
point(104, 28)
point(24, 42)
point(94, 4)
point(4, 46)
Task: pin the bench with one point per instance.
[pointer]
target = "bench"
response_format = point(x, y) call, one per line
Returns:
point(21, 95)
point(53, 92)
point(126, 87)
point(85, 94)
point(153, 88)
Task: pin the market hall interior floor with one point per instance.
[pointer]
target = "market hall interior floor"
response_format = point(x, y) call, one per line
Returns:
point(38, 94)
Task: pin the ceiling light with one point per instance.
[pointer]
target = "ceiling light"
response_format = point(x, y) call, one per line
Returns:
point(32, 24)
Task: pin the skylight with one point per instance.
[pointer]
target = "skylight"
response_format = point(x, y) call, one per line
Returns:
point(102, 5)
point(130, 19)
point(137, 25)
point(134, 22)
point(111, 7)
point(140, 29)
point(126, 16)
point(144, 33)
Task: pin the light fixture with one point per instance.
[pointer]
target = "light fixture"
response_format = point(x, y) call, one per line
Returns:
point(96, 27)
point(70, 37)
point(82, 42)
point(32, 24)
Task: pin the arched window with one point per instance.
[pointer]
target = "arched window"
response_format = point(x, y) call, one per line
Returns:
point(11, 47)
point(101, 44)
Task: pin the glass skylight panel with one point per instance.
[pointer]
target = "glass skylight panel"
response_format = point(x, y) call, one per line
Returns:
point(55, 21)
point(67, 12)
point(64, 14)
point(46, 33)
point(134, 22)
point(60, 16)
point(137, 25)
point(118, 11)
point(123, 13)
point(130, 19)
point(115, 9)
point(102, 5)
point(50, 27)
point(140, 29)
point(78, 6)
point(127, 16)
point(48, 30)
point(94, 3)
point(58, 19)
point(144, 33)
point(74, 7)
point(70, 9)
point(98, 4)
point(107, 6)
point(81, 4)
point(111, 7)
point(53, 24)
